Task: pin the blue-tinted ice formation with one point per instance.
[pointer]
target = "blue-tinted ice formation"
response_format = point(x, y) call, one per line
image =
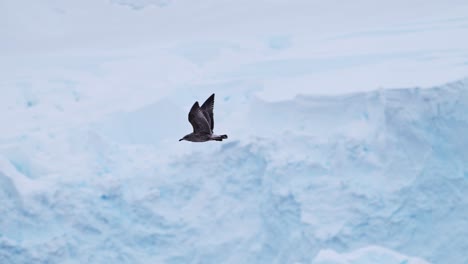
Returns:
point(377, 177)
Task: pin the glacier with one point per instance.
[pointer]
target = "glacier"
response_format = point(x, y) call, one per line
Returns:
point(370, 177)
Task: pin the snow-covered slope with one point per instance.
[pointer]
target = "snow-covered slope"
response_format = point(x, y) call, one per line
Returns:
point(377, 177)
point(109, 46)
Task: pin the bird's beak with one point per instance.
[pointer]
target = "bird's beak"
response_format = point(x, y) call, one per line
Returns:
point(181, 139)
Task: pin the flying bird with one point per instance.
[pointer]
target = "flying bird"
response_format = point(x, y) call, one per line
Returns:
point(202, 122)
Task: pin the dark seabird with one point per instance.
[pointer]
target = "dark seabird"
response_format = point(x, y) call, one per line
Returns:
point(202, 122)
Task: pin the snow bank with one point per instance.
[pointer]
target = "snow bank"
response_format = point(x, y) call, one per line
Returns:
point(368, 255)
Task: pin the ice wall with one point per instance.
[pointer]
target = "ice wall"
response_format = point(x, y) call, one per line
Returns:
point(359, 178)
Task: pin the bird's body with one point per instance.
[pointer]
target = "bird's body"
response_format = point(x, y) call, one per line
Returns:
point(202, 122)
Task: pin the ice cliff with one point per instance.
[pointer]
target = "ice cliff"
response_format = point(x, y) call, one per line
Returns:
point(377, 177)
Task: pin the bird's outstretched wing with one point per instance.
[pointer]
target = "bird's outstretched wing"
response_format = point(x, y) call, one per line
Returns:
point(198, 120)
point(207, 108)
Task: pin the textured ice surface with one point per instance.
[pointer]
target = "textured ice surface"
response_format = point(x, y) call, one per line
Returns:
point(377, 177)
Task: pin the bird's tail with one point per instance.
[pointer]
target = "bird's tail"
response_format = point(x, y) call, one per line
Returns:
point(220, 138)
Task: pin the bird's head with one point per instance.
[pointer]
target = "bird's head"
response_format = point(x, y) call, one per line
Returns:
point(184, 138)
